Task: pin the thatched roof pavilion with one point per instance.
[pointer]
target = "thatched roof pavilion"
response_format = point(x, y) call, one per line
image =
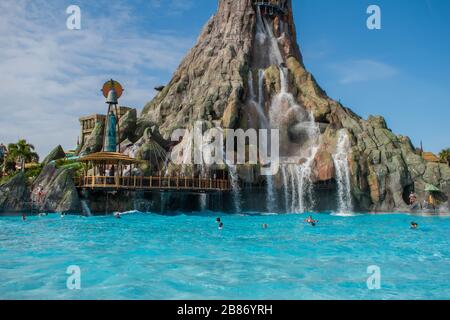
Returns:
point(110, 158)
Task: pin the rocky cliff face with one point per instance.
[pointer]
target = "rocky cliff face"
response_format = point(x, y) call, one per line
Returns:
point(55, 154)
point(246, 71)
point(58, 191)
point(52, 191)
point(14, 195)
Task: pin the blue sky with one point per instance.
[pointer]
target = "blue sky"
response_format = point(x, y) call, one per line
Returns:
point(49, 76)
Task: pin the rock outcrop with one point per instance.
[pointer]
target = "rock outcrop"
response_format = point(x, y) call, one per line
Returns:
point(94, 142)
point(57, 189)
point(127, 125)
point(56, 154)
point(14, 195)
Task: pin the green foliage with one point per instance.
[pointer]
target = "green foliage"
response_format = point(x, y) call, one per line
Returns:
point(76, 167)
point(33, 172)
point(22, 152)
point(8, 167)
point(444, 155)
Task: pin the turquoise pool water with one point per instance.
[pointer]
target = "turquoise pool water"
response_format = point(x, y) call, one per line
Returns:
point(148, 256)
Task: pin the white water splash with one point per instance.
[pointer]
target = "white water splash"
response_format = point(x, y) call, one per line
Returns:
point(260, 29)
point(296, 171)
point(341, 164)
point(258, 104)
point(235, 187)
point(263, 124)
point(265, 36)
point(203, 202)
point(86, 209)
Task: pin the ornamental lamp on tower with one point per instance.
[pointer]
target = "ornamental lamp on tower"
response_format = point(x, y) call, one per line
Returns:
point(112, 91)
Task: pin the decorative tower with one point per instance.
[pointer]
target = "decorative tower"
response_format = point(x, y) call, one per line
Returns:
point(112, 90)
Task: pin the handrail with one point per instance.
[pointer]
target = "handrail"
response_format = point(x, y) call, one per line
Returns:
point(153, 183)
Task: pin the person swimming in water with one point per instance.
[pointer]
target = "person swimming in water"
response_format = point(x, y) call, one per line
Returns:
point(117, 216)
point(24, 217)
point(265, 226)
point(218, 220)
point(414, 225)
point(311, 221)
point(220, 226)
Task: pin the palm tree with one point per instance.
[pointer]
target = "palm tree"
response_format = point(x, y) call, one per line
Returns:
point(22, 152)
point(445, 155)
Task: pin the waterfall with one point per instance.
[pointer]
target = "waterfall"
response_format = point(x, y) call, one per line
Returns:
point(261, 75)
point(260, 28)
point(297, 170)
point(275, 54)
point(258, 104)
point(203, 202)
point(266, 43)
point(235, 187)
point(85, 208)
point(164, 198)
point(341, 165)
point(263, 124)
point(285, 114)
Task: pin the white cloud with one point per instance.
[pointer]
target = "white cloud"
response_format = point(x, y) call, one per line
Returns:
point(363, 70)
point(49, 76)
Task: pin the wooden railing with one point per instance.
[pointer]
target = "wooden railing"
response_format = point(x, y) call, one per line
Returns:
point(153, 183)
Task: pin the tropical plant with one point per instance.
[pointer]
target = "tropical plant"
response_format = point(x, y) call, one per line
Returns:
point(445, 155)
point(9, 166)
point(22, 152)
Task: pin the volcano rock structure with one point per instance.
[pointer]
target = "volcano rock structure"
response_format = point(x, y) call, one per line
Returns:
point(246, 71)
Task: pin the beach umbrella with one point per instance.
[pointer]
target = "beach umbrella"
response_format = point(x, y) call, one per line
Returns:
point(431, 188)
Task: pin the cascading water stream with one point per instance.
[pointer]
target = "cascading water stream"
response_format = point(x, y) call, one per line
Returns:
point(86, 209)
point(258, 104)
point(296, 171)
point(203, 202)
point(235, 187)
point(263, 124)
point(341, 164)
point(296, 174)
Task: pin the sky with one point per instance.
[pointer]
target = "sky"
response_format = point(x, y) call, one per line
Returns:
point(50, 76)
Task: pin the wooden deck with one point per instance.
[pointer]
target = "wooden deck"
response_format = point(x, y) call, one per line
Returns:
point(181, 184)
